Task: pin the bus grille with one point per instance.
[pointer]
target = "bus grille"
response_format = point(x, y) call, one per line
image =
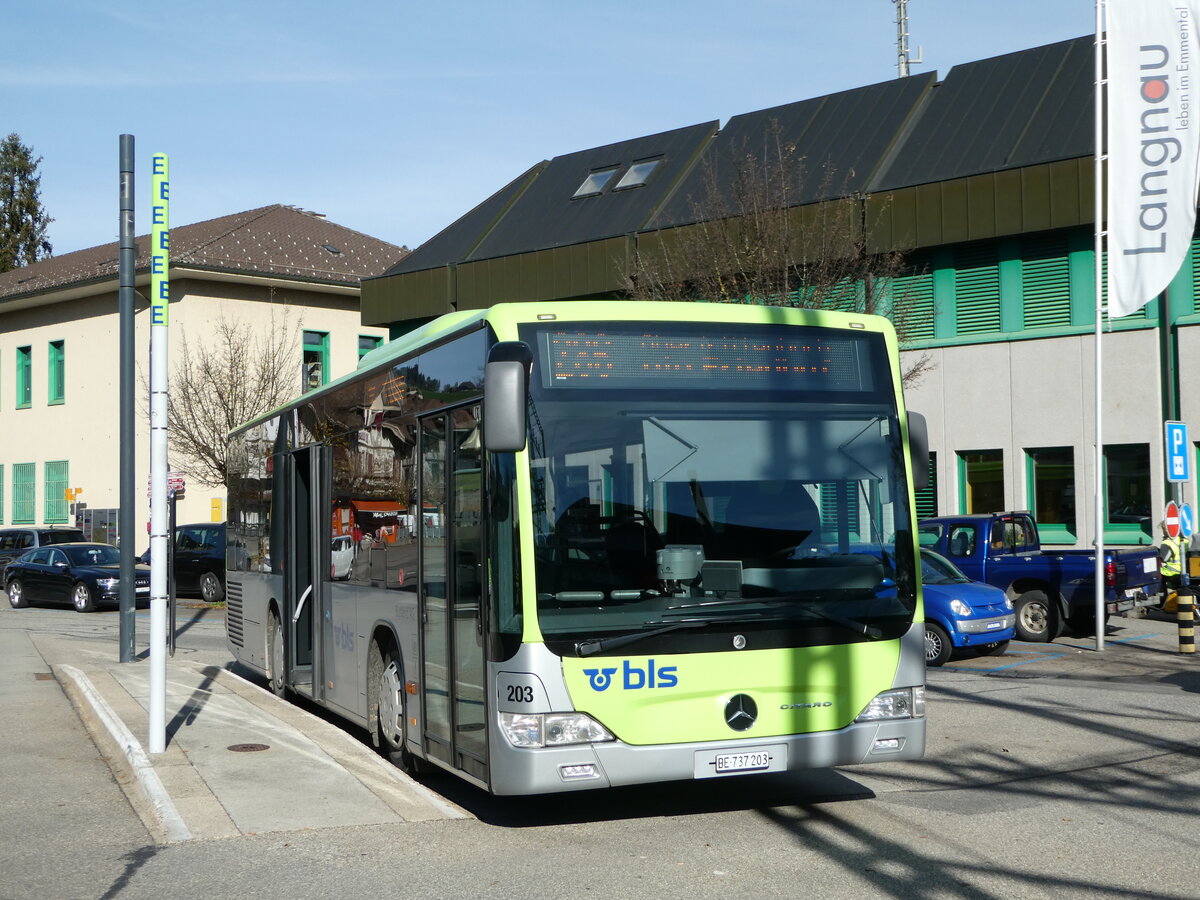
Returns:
point(233, 612)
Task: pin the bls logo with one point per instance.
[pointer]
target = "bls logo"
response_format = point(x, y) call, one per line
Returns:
point(634, 677)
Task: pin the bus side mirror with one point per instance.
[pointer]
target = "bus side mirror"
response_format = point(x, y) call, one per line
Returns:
point(505, 386)
point(918, 446)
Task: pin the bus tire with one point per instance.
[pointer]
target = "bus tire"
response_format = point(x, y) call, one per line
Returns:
point(275, 661)
point(385, 673)
point(1038, 619)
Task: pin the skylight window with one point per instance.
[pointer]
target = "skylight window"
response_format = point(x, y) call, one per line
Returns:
point(596, 182)
point(638, 174)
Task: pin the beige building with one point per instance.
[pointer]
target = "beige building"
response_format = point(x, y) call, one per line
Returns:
point(274, 267)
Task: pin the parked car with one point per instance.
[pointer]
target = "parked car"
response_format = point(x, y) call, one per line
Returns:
point(83, 575)
point(341, 556)
point(199, 560)
point(1051, 589)
point(15, 541)
point(961, 613)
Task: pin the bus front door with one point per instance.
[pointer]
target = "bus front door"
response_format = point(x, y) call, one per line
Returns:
point(451, 541)
point(305, 561)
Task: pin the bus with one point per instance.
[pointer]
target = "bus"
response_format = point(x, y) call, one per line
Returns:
point(570, 545)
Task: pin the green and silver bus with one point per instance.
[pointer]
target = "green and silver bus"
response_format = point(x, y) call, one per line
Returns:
point(570, 545)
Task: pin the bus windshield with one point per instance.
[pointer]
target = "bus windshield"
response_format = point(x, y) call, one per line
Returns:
point(769, 502)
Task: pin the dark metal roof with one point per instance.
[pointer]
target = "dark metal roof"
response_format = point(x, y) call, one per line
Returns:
point(277, 241)
point(545, 215)
point(1021, 109)
point(456, 241)
point(847, 135)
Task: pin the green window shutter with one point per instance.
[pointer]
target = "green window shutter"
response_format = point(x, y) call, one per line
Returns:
point(24, 377)
point(912, 306)
point(926, 498)
point(1046, 282)
point(1194, 256)
point(55, 376)
point(24, 501)
point(57, 508)
point(977, 289)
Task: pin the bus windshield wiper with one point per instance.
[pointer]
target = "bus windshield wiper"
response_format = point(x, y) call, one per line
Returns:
point(854, 625)
point(597, 645)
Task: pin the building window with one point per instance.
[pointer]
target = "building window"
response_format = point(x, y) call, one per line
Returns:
point(595, 182)
point(24, 500)
point(1051, 476)
point(977, 289)
point(637, 174)
point(24, 377)
point(981, 481)
point(927, 497)
point(56, 482)
point(316, 359)
point(56, 375)
point(367, 343)
point(1127, 514)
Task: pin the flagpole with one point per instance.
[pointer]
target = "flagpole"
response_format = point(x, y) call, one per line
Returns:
point(1099, 272)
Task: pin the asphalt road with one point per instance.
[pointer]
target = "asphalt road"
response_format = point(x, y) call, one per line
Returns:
point(1051, 772)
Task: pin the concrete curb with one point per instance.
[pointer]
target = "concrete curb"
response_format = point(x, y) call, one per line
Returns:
point(167, 817)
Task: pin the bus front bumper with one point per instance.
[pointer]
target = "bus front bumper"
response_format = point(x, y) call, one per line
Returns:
point(612, 764)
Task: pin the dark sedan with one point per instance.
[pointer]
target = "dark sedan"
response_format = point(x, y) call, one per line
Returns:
point(83, 575)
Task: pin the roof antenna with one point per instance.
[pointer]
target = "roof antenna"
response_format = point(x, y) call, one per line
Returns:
point(902, 55)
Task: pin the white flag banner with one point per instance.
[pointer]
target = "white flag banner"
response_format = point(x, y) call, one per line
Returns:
point(1153, 146)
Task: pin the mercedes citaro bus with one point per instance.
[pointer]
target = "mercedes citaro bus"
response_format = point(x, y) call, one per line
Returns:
point(587, 544)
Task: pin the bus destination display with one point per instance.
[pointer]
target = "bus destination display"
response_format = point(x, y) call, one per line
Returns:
point(726, 360)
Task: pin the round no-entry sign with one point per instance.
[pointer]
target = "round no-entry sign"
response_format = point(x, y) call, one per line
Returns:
point(1171, 519)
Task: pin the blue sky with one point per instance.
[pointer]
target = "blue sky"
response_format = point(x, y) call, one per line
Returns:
point(395, 118)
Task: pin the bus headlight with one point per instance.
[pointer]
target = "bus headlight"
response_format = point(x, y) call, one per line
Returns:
point(905, 703)
point(552, 729)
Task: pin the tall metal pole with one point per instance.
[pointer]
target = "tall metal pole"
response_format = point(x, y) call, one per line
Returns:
point(160, 538)
point(127, 259)
point(1099, 254)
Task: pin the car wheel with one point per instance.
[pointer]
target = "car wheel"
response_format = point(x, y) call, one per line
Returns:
point(81, 597)
point(937, 644)
point(384, 670)
point(1037, 618)
point(275, 664)
point(996, 649)
point(16, 595)
point(210, 588)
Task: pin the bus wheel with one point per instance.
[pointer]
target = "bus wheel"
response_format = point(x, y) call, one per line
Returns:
point(389, 727)
point(275, 664)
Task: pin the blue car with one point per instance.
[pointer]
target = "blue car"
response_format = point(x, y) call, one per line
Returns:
point(961, 613)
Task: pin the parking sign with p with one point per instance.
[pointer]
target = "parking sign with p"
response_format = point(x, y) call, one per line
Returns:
point(1178, 462)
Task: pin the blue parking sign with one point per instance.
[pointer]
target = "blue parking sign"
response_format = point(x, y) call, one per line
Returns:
point(1178, 462)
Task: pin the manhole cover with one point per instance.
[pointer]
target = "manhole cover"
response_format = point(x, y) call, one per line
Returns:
point(247, 748)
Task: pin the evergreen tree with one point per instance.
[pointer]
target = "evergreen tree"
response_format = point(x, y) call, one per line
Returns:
point(23, 221)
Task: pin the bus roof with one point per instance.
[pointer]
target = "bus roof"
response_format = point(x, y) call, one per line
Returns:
point(505, 317)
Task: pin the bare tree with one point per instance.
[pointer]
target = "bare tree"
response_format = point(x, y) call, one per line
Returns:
point(238, 372)
point(758, 238)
